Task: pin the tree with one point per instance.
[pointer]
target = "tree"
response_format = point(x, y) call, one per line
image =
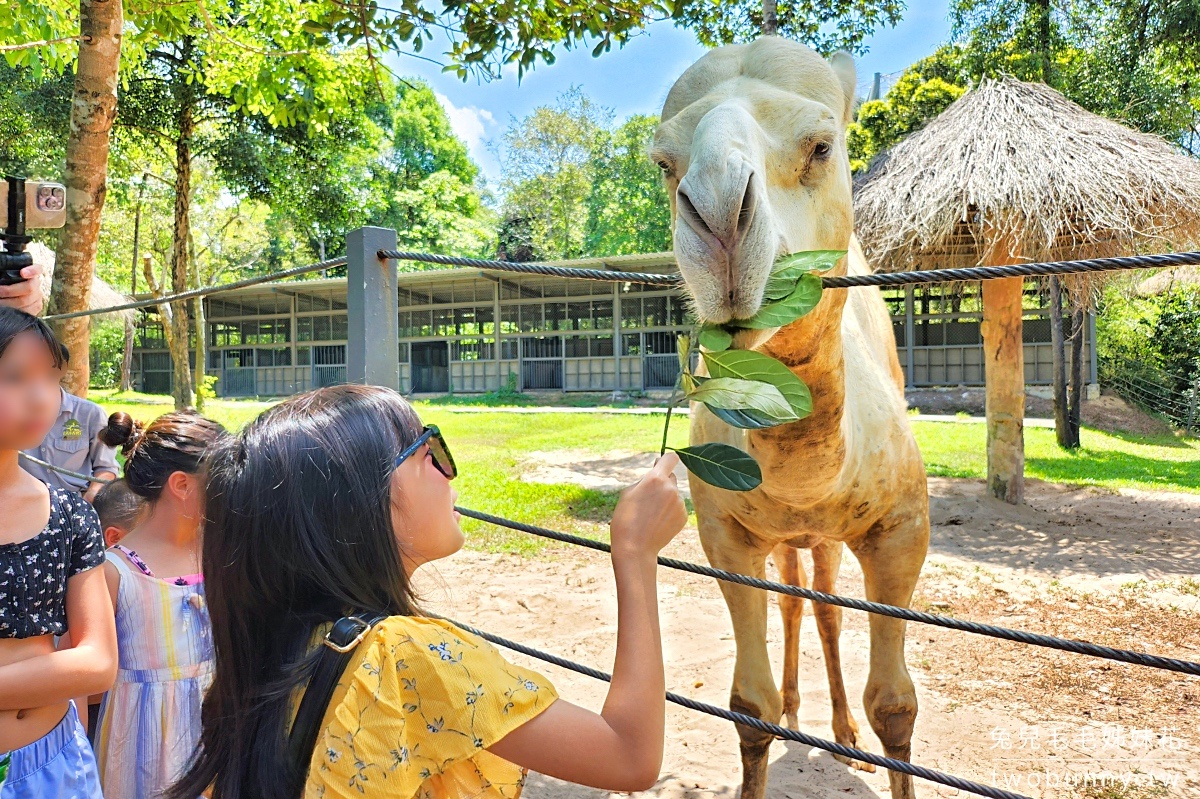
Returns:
point(276, 58)
point(824, 26)
point(35, 118)
point(1131, 60)
point(374, 166)
point(547, 171)
point(432, 200)
point(628, 210)
point(923, 91)
point(92, 113)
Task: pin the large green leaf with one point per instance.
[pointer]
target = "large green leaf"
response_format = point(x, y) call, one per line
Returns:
point(732, 393)
point(715, 339)
point(790, 268)
point(808, 261)
point(745, 420)
point(750, 365)
point(803, 299)
point(722, 466)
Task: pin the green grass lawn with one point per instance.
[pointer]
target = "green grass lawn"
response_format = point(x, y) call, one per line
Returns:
point(490, 447)
point(1106, 459)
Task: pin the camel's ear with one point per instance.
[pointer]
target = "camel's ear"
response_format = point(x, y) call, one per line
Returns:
point(843, 66)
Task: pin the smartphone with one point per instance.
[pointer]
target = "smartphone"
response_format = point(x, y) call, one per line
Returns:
point(45, 204)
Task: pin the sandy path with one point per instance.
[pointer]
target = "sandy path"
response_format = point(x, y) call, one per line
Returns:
point(982, 703)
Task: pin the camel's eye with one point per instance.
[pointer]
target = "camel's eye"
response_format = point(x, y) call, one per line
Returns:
point(821, 150)
point(663, 164)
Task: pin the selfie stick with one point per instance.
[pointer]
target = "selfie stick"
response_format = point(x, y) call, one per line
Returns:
point(14, 258)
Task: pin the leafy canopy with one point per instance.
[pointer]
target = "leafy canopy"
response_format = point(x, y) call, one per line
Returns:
point(825, 26)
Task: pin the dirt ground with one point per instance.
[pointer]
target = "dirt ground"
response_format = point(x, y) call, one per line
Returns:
point(1118, 569)
point(1107, 412)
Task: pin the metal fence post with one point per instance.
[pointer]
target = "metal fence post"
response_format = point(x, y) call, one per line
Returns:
point(1193, 407)
point(373, 341)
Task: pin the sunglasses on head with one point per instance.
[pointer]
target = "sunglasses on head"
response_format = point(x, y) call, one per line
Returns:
point(442, 460)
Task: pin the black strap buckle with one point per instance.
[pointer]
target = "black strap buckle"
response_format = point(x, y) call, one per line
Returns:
point(347, 633)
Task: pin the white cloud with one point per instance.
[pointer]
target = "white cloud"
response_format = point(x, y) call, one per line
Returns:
point(473, 125)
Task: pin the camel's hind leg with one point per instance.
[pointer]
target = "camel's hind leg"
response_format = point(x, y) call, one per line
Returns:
point(731, 547)
point(827, 562)
point(787, 560)
point(891, 555)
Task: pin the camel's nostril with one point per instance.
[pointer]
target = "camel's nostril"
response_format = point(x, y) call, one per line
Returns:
point(687, 210)
point(748, 206)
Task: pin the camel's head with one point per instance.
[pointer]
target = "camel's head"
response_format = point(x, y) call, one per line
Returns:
point(753, 149)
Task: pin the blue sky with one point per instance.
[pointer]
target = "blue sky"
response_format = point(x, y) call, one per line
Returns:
point(635, 79)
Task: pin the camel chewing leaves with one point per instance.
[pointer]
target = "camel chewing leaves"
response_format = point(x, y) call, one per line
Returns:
point(747, 389)
point(802, 299)
point(722, 466)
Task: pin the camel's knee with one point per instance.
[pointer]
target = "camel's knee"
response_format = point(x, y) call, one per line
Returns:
point(892, 714)
point(769, 708)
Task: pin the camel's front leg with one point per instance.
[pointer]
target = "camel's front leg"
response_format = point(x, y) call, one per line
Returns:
point(827, 562)
point(731, 547)
point(891, 555)
point(791, 571)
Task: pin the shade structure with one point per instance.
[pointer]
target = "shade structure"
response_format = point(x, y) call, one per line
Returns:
point(1013, 172)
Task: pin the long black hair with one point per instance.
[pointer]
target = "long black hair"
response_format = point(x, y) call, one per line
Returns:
point(298, 532)
point(14, 322)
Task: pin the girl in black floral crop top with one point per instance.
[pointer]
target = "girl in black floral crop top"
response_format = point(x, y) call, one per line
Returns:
point(50, 544)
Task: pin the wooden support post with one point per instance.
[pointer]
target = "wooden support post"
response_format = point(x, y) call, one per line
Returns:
point(1058, 345)
point(1004, 370)
point(1075, 395)
point(373, 346)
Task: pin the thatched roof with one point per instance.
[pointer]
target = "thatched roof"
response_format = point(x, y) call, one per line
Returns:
point(1167, 280)
point(102, 296)
point(1018, 159)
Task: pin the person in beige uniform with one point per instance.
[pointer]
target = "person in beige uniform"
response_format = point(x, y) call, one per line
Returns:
point(73, 444)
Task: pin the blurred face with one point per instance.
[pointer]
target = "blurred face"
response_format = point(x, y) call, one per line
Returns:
point(29, 394)
point(423, 514)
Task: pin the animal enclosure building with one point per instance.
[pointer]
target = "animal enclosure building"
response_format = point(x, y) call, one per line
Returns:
point(473, 331)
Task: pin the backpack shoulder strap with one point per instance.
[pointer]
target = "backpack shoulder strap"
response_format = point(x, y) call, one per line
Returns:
point(338, 647)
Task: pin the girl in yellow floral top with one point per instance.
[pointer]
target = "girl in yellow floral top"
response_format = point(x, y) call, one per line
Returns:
point(325, 505)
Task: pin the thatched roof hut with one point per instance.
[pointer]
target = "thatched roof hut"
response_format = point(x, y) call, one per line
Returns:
point(1168, 280)
point(102, 295)
point(1015, 172)
point(1014, 160)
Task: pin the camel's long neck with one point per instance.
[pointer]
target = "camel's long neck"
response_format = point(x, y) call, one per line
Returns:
point(812, 348)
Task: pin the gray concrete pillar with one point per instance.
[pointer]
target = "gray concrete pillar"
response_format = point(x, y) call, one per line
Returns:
point(373, 343)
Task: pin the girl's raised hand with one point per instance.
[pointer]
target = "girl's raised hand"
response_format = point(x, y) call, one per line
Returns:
point(650, 513)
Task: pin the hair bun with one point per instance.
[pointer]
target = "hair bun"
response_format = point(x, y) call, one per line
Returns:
point(122, 431)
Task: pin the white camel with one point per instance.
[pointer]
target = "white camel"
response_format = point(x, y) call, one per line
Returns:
point(752, 146)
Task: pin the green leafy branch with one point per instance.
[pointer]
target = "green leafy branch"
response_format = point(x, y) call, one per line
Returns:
point(743, 388)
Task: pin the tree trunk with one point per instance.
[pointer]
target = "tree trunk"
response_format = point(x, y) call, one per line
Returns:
point(179, 244)
point(201, 337)
point(167, 312)
point(1078, 324)
point(770, 21)
point(1045, 58)
point(1058, 345)
point(1004, 370)
point(127, 358)
point(93, 109)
